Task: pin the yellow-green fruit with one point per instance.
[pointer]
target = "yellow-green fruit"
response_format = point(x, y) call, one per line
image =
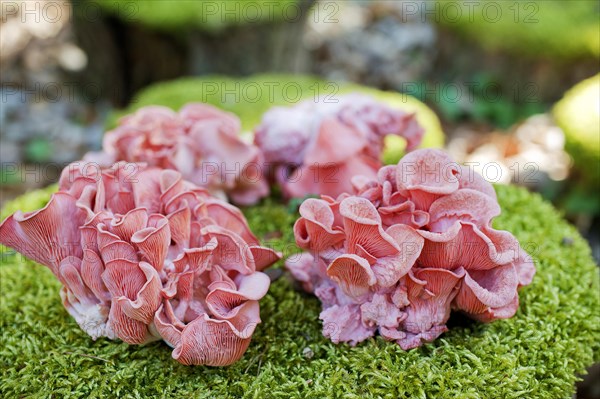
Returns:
point(578, 114)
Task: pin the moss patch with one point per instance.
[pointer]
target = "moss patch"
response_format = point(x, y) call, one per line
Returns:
point(536, 354)
point(211, 16)
point(547, 29)
point(249, 98)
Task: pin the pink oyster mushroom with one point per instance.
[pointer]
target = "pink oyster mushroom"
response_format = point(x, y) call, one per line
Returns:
point(317, 147)
point(407, 248)
point(144, 255)
point(201, 142)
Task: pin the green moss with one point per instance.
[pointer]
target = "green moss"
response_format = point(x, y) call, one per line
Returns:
point(550, 29)
point(34, 200)
point(250, 97)
point(578, 114)
point(204, 15)
point(536, 354)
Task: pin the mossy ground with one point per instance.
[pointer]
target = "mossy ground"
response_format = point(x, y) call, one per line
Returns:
point(536, 354)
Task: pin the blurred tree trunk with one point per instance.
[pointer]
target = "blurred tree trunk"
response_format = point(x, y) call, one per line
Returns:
point(252, 48)
point(125, 57)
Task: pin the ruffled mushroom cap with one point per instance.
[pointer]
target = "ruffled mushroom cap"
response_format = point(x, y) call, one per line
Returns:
point(407, 248)
point(145, 255)
point(210, 326)
point(317, 147)
point(201, 142)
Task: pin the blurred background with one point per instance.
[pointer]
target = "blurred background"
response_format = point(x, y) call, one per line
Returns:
point(514, 83)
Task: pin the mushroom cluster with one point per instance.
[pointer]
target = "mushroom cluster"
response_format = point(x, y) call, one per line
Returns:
point(200, 141)
point(406, 249)
point(316, 147)
point(144, 255)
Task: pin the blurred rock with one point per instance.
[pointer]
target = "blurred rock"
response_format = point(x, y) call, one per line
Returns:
point(44, 120)
point(68, 128)
point(371, 42)
point(9, 152)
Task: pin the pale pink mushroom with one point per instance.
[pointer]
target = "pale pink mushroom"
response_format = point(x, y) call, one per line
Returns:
point(212, 325)
point(316, 147)
point(430, 293)
point(145, 255)
point(409, 246)
point(201, 142)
